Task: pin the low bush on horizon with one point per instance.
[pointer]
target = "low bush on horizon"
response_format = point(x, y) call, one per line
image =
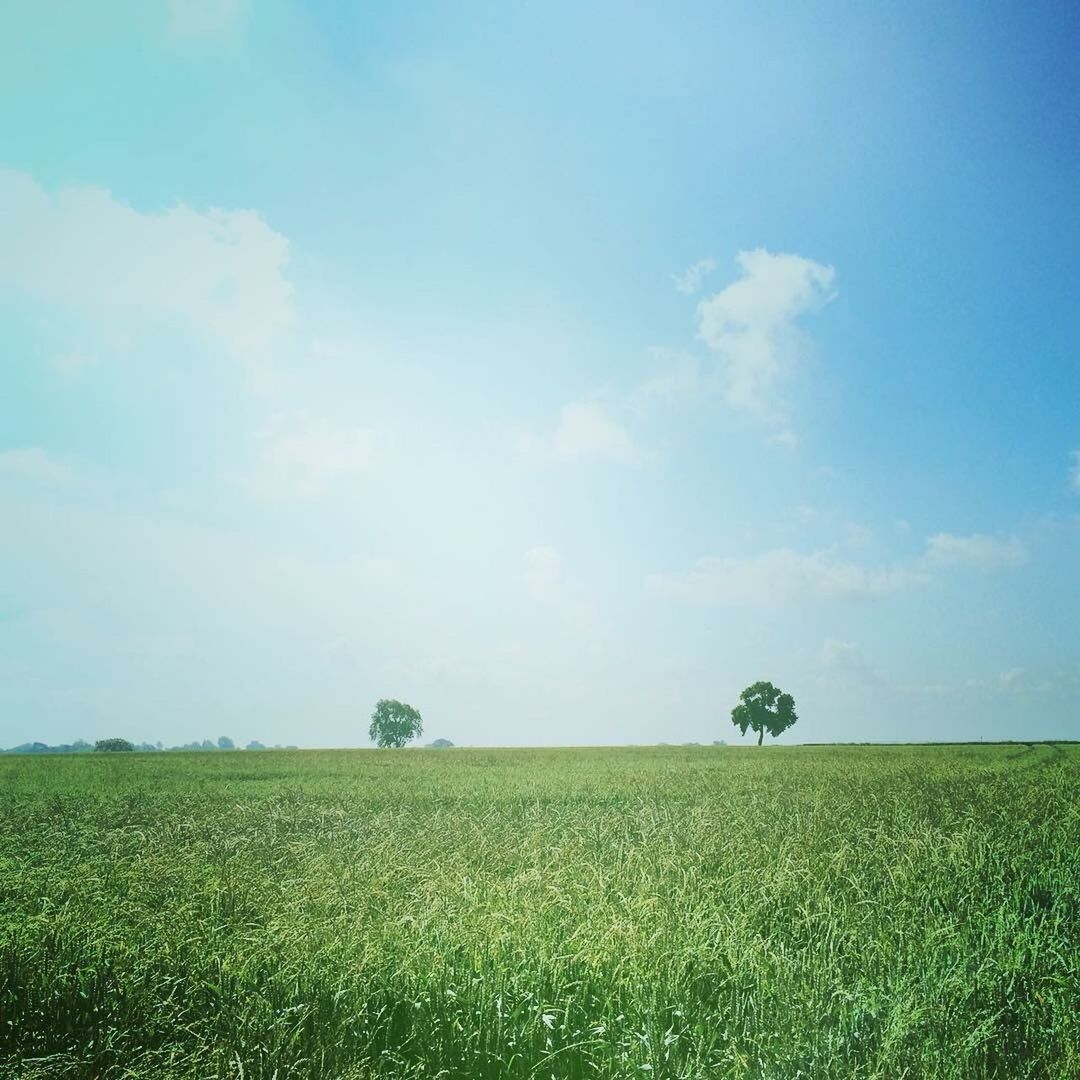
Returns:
point(686, 912)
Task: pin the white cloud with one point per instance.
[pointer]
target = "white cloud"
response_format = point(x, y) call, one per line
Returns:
point(32, 463)
point(585, 432)
point(689, 281)
point(220, 273)
point(1074, 474)
point(781, 576)
point(202, 18)
point(302, 456)
point(750, 325)
point(977, 551)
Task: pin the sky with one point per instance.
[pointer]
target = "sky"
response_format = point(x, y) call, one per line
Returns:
point(559, 369)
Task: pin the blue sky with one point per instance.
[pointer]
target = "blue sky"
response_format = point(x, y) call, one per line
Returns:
point(560, 369)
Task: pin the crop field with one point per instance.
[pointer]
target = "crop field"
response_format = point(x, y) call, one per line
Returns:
point(665, 913)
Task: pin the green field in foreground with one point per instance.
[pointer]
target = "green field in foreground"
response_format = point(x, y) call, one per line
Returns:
point(691, 912)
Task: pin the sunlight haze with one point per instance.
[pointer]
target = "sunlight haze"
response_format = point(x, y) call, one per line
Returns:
point(558, 369)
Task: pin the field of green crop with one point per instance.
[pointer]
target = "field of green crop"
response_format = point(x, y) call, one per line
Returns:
point(699, 912)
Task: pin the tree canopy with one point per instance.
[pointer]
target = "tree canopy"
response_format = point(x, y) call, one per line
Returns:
point(393, 724)
point(112, 746)
point(763, 707)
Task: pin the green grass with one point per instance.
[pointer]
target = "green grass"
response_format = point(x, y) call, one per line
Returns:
point(698, 912)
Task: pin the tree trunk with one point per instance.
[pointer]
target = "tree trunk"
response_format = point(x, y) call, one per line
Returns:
point(761, 734)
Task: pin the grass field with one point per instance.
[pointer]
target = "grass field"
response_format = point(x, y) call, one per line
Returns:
point(698, 912)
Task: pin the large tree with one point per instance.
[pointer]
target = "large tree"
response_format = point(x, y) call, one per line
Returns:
point(762, 707)
point(393, 723)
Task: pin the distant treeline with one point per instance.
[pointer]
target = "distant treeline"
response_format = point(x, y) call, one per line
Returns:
point(81, 746)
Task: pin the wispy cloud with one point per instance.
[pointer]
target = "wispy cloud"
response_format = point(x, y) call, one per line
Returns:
point(786, 438)
point(751, 325)
point(218, 274)
point(543, 574)
point(1013, 679)
point(782, 576)
point(563, 598)
point(689, 281)
point(32, 463)
point(202, 18)
point(977, 550)
point(72, 364)
point(842, 666)
point(678, 378)
point(303, 456)
point(585, 432)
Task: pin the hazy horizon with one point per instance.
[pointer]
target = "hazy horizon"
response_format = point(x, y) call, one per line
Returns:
point(425, 743)
point(560, 371)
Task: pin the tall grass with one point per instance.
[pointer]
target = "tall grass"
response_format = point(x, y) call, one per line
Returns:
point(665, 913)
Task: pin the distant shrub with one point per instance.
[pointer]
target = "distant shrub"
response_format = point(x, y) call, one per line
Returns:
point(113, 746)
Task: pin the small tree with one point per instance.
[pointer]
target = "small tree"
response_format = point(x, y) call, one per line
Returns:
point(225, 743)
point(112, 746)
point(393, 723)
point(762, 707)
